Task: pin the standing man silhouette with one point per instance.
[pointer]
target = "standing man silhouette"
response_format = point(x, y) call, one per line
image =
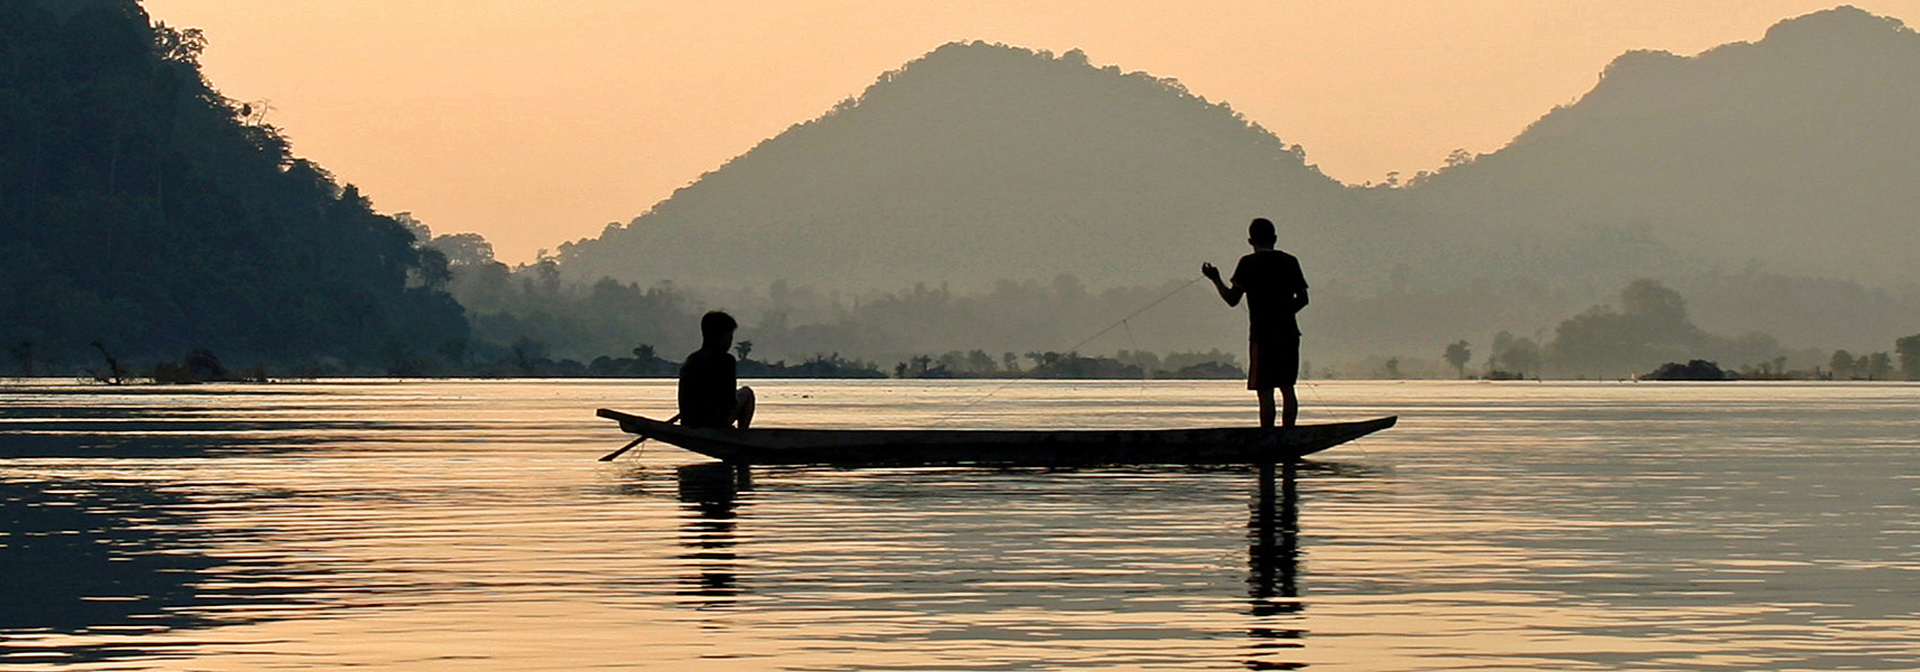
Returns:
point(1275, 289)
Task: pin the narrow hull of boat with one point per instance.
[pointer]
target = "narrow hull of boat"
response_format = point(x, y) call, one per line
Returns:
point(1038, 448)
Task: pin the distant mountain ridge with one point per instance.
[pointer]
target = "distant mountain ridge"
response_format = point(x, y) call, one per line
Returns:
point(978, 162)
point(1798, 153)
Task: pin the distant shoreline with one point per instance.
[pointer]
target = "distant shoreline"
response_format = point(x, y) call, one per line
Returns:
point(72, 381)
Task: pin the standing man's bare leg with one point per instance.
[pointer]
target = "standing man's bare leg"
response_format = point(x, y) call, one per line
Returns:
point(1292, 410)
point(1266, 407)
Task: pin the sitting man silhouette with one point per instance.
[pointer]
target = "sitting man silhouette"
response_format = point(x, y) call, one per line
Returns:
point(1275, 289)
point(708, 397)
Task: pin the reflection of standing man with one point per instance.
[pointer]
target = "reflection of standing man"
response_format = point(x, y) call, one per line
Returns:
point(1275, 290)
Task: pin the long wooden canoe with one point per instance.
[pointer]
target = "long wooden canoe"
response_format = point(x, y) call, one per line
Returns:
point(1001, 447)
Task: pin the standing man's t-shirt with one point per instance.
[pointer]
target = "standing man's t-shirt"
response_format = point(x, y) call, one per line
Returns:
point(1271, 279)
point(707, 389)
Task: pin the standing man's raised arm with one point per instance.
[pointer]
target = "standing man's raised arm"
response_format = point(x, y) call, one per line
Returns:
point(1229, 294)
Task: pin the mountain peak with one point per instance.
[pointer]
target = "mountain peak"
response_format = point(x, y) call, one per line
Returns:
point(972, 163)
point(1843, 24)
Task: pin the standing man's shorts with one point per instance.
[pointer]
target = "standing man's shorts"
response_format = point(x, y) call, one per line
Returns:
point(1275, 363)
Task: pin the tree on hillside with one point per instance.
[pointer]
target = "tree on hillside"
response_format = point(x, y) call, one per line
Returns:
point(463, 249)
point(1909, 351)
point(1842, 364)
point(1458, 354)
point(1391, 369)
point(1878, 366)
point(1513, 356)
point(1658, 313)
point(1650, 328)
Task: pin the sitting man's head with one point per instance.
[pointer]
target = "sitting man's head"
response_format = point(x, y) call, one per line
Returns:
point(716, 329)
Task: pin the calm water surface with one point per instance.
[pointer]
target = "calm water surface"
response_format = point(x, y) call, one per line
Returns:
point(449, 524)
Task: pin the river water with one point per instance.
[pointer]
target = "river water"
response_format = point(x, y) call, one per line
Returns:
point(427, 525)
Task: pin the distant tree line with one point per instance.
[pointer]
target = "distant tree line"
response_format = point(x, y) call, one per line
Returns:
point(1651, 332)
point(1123, 365)
point(529, 320)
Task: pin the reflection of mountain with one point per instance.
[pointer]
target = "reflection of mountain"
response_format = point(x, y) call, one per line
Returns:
point(93, 569)
point(978, 162)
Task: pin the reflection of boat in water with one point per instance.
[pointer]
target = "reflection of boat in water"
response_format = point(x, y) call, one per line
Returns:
point(1273, 609)
point(1001, 447)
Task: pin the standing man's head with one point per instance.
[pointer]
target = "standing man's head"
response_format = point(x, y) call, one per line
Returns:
point(1260, 233)
point(716, 330)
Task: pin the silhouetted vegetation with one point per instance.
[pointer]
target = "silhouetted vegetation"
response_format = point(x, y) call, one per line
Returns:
point(1513, 357)
point(1651, 326)
point(1124, 365)
point(1844, 365)
point(1908, 348)
point(1698, 369)
point(203, 366)
point(531, 321)
point(817, 366)
point(1458, 354)
point(142, 209)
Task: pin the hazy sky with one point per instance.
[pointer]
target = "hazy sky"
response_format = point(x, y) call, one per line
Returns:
point(538, 123)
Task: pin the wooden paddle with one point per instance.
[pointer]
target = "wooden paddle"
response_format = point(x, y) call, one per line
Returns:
point(630, 444)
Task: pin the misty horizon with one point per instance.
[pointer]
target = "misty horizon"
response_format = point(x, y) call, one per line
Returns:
point(979, 166)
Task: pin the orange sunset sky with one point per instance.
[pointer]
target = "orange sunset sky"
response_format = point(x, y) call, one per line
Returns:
point(538, 123)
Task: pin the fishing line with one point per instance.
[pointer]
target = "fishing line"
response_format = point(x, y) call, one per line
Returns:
point(1136, 354)
point(1319, 402)
point(1122, 322)
point(1321, 408)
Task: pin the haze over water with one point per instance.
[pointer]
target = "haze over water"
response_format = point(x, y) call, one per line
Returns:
point(440, 524)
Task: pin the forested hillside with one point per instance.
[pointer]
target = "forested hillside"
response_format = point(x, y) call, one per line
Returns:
point(984, 198)
point(1792, 154)
point(980, 162)
point(141, 209)
point(1795, 153)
